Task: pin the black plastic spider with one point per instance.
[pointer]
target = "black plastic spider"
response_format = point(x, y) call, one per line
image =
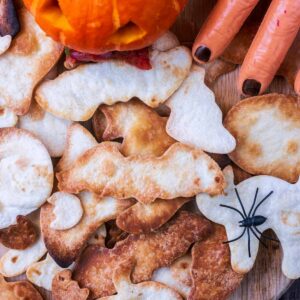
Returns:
point(250, 221)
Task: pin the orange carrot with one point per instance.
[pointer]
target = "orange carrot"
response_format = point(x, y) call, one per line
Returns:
point(223, 23)
point(270, 45)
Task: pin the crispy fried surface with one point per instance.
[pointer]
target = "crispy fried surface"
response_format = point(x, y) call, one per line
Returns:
point(19, 290)
point(180, 172)
point(19, 236)
point(212, 275)
point(150, 251)
point(267, 130)
point(64, 288)
point(141, 218)
point(143, 291)
point(30, 57)
point(65, 245)
point(142, 129)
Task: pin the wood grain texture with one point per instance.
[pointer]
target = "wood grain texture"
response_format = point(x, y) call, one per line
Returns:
point(265, 281)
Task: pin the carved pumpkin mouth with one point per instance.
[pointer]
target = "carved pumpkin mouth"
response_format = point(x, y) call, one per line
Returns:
point(127, 34)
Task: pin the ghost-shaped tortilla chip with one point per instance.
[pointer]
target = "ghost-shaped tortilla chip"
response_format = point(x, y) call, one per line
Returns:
point(196, 119)
point(251, 207)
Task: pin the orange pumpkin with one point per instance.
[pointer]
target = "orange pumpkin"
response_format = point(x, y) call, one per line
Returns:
point(97, 26)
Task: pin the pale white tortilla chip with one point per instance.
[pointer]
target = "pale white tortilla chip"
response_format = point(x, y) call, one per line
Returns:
point(196, 119)
point(147, 290)
point(180, 172)
point(5, 42)
point(177, 275)
point(75, 95)
point(30, 57)
point(79, 140)
point(42, 273)
point(67, 210)
point(26, 174)
point(277, 200)
point(16, 262)
point(168, 41)
point(52, 131)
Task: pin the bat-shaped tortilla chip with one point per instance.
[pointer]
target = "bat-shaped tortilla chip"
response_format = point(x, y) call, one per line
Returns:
point(248, 209)
point(267, 131)
point(29, 58)
point(18, 290)
point(76, 94)
point(195, 118)
point(52, 131)
point(143, 132)
point(149, 251)
point(180, 172)
point(142, 291)
point(26, 174)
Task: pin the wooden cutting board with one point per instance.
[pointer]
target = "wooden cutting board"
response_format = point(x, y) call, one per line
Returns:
point(266, 280)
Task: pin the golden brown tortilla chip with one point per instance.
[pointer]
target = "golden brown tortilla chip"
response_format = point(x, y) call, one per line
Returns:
point(64, 288)
point(19, 290)
point(19, 236)
point(212, 275)
point(150, 251)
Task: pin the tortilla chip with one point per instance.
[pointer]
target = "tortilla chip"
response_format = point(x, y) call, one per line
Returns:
point(65, 245)
point(142, 291)
point(52, 131)
point(67, 210)
point(19, 236)
point(196, 119)
point(18, 290)
point(63, 287)
point(42, 273)
point(267, 130)
point(142, 129)
point(177, 275)
point(142, 218)
point(7, 117)
point(180, 172)
point(30, 57)
point(211, 272)
point(150, 251)
point(5, 42)
point(79, 140)
point(114, 234)
point(16, 262)
point(68, 97)
point(271, 203)
point(26, 174)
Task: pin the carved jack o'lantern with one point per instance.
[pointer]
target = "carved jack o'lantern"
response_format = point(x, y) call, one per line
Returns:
point(98, 26)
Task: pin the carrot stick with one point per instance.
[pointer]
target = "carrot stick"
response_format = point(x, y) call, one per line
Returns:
point(297, 83)
point(223, 23)
point(270, 45)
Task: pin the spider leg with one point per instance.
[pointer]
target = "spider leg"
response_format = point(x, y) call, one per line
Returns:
point(258, 238)
point(265, 236)
point(254, 200)
point(258, 205)
point(227, 242)
point(233, 208)
point(249, 249)
point(241, 203)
